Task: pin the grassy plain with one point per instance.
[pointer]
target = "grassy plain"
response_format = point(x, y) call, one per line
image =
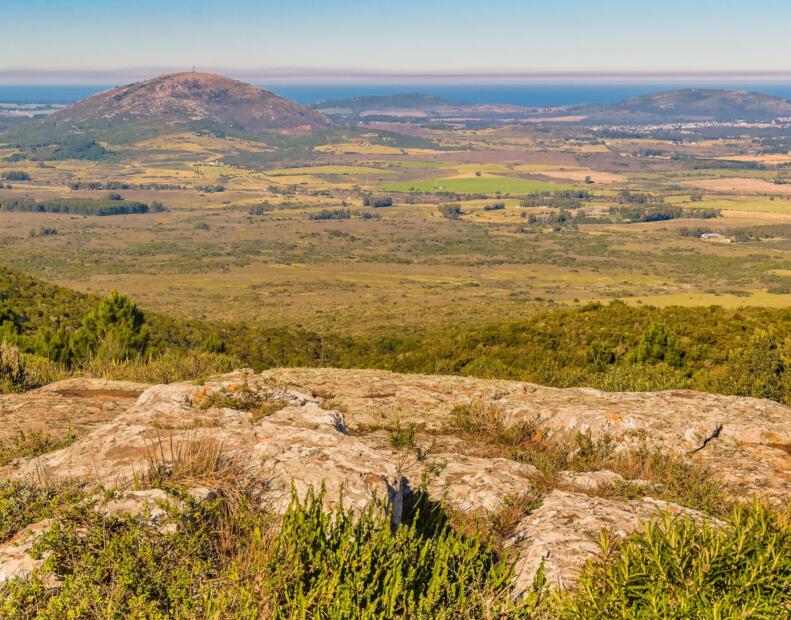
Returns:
point(266, 248)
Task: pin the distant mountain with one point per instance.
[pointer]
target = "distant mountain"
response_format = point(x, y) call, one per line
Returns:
point(376, 103)
point(690, 105)
point(191, 98)
point(420, 108)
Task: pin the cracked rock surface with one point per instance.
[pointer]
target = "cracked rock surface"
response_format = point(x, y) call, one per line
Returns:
point(747, 441)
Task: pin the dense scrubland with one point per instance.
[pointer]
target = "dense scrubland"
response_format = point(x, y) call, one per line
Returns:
point(614, 347)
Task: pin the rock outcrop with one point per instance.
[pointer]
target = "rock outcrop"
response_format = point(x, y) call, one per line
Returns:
point(299, 428)
point(747, 441)
point(563, 533)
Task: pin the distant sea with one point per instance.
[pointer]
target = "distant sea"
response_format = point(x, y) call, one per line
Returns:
point(540, 95)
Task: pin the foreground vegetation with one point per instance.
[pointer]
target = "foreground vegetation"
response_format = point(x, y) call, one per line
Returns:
point(676, 568)
point(230, 558)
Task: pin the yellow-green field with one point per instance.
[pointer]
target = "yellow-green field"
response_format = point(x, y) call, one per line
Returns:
point(292, 242)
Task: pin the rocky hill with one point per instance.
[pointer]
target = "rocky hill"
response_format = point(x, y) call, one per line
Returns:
point(192, 97)
point(564, 464)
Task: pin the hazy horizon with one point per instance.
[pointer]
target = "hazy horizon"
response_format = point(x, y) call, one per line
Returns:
point(374, 40)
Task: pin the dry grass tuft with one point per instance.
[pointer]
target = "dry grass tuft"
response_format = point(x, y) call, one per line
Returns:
point(242, 398)
point(34, 443)
point(673, 477)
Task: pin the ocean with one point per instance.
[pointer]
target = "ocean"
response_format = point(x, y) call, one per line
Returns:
point(540, 95)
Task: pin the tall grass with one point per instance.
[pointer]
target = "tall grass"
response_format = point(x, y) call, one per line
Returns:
point(21, 371)
point(171, 366)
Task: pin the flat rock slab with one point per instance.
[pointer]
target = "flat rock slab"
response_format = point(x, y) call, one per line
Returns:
point(747, 441)
point(302, 445)
point(76, 405)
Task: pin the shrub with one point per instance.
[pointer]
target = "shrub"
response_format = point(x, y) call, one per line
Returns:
point(34, 443)
point(658, 344)
point(378, 202)
point(676, 568)
point(451, 212)
point(337, 565)
point(13, 373)
point(23, 503)
point(332, 214)
point(403, 437)
point(759, 369)
point(221, 563)
point(16, 175)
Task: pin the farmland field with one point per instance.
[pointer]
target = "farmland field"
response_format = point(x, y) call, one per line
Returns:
point(488, 184)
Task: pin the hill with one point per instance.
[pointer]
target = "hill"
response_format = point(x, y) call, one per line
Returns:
point(692, 105)
point(615, 347)
point(190, 98)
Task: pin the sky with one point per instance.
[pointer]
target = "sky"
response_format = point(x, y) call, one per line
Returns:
point(85, 40)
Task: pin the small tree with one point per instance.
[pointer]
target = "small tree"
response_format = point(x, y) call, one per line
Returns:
point(115, 330)
point(599, 355)
point(54, 344)
point(759, 369)
point(658, 344)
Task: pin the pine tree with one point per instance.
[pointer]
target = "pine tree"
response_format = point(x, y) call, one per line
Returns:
point(658, 344)
point(116, 330)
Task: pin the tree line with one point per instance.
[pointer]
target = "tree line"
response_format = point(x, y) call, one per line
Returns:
point(112, 205)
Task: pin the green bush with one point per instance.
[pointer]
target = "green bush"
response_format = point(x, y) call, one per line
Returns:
point(341, 566)
point(13, 370)
point(224, 561)
point(23, 503)
point(658, 344)
point(33, 443)
point(676, 568)
point(759, 369)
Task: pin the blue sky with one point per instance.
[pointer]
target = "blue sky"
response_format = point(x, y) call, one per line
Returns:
point(88, 37)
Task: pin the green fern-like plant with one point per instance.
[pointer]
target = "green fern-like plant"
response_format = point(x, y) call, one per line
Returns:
point(677, 568)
